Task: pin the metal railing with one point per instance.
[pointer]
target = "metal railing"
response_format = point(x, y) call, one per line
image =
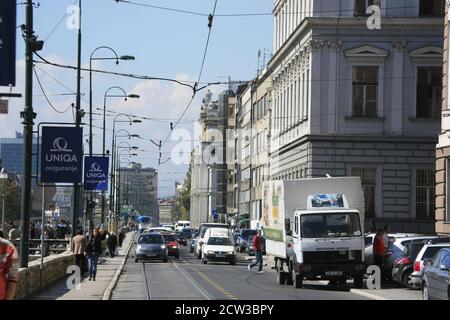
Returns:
point(51, 246)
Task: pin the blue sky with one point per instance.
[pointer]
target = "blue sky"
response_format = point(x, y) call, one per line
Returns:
point(165, 44)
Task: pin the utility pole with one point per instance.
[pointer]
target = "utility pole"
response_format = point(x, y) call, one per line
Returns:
point(76, 186)
point(28, 116)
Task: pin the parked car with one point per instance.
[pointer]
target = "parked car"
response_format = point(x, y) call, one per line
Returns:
point(151, 246)
point(192, 245)
point(172, 244)
point(244, 236)
point(427, 252)
point(436, 276)
point(181, 238)
point(368, 238)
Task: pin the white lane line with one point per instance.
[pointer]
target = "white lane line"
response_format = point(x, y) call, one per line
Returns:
point(360, 292)
point(192, 281)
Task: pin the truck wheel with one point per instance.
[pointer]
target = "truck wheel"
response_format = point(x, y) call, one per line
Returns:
point(358, 282)
point(281, 277)
point(289, 279)
point(298, 281)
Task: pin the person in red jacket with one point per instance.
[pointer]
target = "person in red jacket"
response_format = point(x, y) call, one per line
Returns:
point(379, 249)
point(9, 270)
point(257, 246)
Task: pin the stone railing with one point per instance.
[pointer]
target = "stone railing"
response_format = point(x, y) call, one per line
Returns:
point(32, 280)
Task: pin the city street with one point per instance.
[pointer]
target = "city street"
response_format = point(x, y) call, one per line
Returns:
point(186, 278)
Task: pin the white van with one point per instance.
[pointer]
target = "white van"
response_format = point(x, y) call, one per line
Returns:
point(218, 246)
point(182, 224)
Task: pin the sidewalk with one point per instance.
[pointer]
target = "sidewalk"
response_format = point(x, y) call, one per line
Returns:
point(90, 290)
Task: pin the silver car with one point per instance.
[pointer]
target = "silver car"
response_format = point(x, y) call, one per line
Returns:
point(427, 252)
point(436, 277)
point(151, 246)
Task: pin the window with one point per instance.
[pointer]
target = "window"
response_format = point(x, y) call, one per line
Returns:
point(429, 92)
point(425, 194)
point(362, 5)
point(432, 8)
point(365, 91)
point(368, 181)
point(296, 225)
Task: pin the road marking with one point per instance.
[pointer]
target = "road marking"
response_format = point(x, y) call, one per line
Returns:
point(361, 293)
point(147, 284)
point(192, 281)
point(217, 286)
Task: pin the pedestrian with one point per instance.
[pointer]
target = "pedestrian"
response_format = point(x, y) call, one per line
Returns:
point(112, 244)
point(379, 250)
point(93, 252)
point(121, 237)
point(79, 244)
point(9, 270)
point(13, 233)
point(257, 246)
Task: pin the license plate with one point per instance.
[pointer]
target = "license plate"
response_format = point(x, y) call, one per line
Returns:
point(151, 255)
point(220, 255)
point(333, 273)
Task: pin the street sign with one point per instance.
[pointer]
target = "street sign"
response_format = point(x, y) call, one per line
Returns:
point(8, 42)
point(96, 173)
point(61, 154)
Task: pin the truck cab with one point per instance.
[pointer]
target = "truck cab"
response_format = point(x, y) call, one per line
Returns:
point(326, 245)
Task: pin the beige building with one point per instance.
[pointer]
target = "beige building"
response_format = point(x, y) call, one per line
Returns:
point(443, 147)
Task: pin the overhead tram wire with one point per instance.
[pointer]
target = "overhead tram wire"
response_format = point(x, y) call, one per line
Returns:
point(195, 89)
point(58, 24)
point(45, 94)
point(245, 14)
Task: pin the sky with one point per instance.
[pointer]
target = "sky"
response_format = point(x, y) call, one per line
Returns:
point(164, 43)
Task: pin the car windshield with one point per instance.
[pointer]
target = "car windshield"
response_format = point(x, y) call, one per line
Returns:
point(205, 227)
point(219, 241)
point(169, 238)
point(330, 225)
point(431, 251)
point(368, 241)
point(144, 220)
point(150, 239)
point(246, 233)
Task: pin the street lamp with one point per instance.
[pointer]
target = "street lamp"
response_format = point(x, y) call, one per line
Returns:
point(125, 95)
point(3, 178)
point(117, 58)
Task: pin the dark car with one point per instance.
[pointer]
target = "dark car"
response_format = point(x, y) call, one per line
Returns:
point(404, 266)
point(151, 246)
point(172, 244)
point(436, 277)
point(251, 251)
point(243, 239)
point(187, 233)
point(181, 238)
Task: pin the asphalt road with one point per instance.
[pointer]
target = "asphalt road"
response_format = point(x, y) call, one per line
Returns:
point(187, 279)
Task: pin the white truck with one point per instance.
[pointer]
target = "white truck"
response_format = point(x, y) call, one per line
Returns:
point(314, 229)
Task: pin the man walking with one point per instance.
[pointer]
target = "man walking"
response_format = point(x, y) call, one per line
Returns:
point(9, 270)
point(78, 248)
point(257, 246)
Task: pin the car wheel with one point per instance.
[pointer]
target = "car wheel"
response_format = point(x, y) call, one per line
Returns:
point(407, 281)
point(204, 261)
point(298, 281)
point(136, 260)
point(289, 279)
point(281, 277)
point(425, 292)
point(177, 256)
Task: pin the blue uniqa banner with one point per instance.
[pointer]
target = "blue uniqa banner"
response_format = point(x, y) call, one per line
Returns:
point(61, 154)
point(7, 42)
point(96, 173)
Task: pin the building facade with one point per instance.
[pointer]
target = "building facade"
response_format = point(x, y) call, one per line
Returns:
point(443, 146)
point(139, 189)
point(351, 100)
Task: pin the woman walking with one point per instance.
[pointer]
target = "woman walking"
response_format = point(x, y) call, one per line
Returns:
point(93, 252)
point(112, 244)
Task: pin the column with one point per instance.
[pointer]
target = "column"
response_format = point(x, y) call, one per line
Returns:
point(333, 75)
point(397, 88)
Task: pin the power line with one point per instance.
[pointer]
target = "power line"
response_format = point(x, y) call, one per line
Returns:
point(58, 24)
point(45, 94)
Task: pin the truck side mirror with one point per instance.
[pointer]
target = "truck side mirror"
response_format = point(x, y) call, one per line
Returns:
point(287, 225)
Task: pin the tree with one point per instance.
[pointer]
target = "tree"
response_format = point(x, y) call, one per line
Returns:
point(12, 200)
